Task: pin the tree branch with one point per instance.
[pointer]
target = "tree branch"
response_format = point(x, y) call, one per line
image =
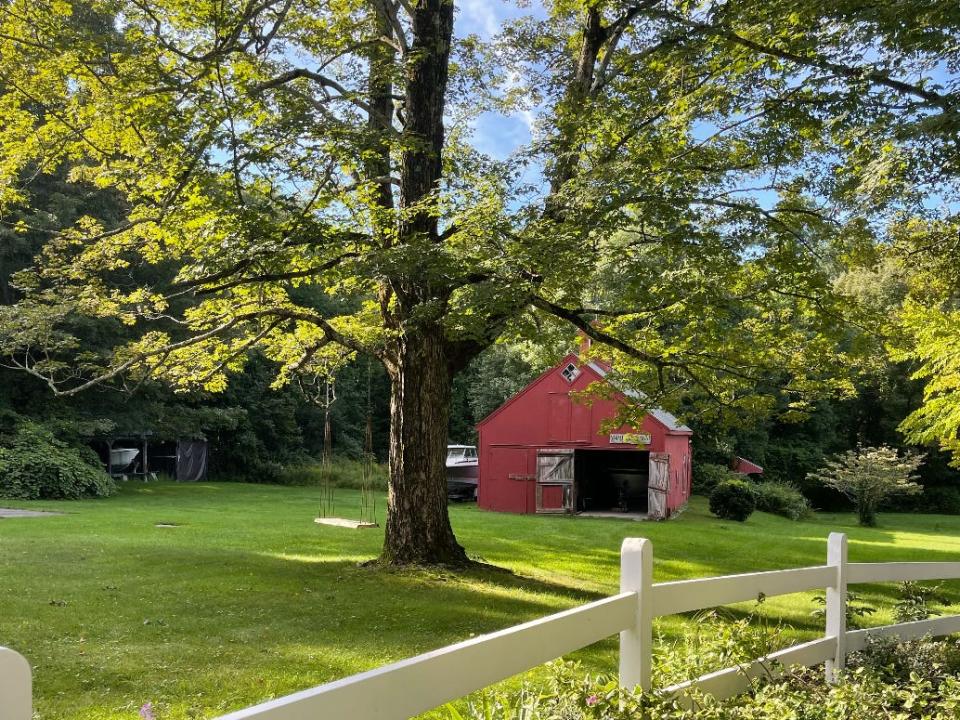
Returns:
point(390, 12)
point(324, 82)
point(592, 332)
point(278, 277)
point(947, 103)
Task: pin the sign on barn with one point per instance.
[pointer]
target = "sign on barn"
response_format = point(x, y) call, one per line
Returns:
point(630, 439)
point(544, 452)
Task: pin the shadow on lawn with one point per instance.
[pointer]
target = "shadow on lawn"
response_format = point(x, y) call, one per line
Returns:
point(276, 624)
point(480, 599)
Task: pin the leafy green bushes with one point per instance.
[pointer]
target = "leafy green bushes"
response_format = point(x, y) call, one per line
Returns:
point(772, 496)
point(35, 465)
point(343, 472)
point(706, 476)
point(914, 681)
point(914, 602)
point(780, 498)
point(267, 471)
point(896, 661)
point(732, 500)
point(941, 499)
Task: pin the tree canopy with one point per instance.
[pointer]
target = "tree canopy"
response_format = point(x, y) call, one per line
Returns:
point(300, 177)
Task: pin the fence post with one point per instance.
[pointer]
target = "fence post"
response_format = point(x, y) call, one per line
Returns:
point(16, 702)
point(636, 642)
point(837, 604)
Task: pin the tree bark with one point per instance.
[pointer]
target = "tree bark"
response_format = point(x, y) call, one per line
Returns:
point(421, 165)
point(413, 300)
point(577, 93)
point(422, 361)
point(418, 525)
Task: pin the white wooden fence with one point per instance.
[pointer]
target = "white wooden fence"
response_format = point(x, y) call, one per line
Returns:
point(419, 684)
point(15, 686)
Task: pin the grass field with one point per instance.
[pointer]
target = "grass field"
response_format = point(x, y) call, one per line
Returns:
point(247, 598)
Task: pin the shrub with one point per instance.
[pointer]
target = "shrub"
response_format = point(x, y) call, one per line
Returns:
point(863, 693)
point(706, 476)
point(717, 638)
point(941, 499)
point(856, 609)
point(781, 498)
point(914, 602)
point(266, 471)
point(343, 473)
point(34, 465)
point(896, 661)
point(732, 500)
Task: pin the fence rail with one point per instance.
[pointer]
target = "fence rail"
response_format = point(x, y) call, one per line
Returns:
point(937, 627)
point(419, 684)
point(413, 686)
point(899, 571)
point(682, 596)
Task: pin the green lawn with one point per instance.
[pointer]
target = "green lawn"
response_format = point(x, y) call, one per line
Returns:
point(247, 598)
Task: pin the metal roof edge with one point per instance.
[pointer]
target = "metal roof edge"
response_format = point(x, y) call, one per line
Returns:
point(665, 418)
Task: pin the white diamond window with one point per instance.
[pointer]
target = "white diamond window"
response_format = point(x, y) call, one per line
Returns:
point(570, 373)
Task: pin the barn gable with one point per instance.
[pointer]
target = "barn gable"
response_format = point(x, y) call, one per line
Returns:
point(529, 389)
point(598, 373)
point(668, 420)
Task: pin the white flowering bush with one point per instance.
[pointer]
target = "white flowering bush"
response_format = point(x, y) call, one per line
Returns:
point(870, 475)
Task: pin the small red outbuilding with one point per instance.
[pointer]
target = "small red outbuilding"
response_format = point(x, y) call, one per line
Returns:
point(542, 451)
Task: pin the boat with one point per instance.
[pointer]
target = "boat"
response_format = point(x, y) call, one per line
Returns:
point(122, 458)
point(462, 472)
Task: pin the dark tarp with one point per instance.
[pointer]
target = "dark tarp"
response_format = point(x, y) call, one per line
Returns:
point(191, 460)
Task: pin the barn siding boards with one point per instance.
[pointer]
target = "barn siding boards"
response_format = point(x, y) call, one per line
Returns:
point(545, 417)
point(581, 423)
point(508, 466)
point(558, 417)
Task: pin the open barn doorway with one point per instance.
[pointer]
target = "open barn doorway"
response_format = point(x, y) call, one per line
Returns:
point(612, 481)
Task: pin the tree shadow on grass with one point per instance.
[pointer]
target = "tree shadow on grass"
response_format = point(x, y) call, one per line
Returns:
point(177, 621)
point(189, 616)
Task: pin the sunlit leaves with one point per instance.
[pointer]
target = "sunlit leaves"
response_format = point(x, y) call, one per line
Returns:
point(719, 170)
point(934, 345)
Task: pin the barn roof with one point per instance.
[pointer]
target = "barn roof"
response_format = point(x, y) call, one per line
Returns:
point(668, 420)
point(747, 467)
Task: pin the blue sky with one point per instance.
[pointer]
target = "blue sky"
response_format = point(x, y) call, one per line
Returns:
point(495, 135)
point(498, 136)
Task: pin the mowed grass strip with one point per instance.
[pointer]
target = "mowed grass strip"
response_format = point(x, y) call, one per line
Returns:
point(246, 598)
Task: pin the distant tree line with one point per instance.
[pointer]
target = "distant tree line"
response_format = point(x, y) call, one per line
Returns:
point(253, 428)
point(256, 429)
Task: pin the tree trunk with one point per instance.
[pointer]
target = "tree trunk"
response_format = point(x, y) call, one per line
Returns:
point(413, 302)
point(418, 525)
point(867, 514)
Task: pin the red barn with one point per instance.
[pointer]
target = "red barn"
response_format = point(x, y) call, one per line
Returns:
point(543, 452)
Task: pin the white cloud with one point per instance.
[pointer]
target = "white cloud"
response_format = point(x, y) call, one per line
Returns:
point(482, 17)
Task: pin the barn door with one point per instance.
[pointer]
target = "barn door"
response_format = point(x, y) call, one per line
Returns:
point(658, 485)
point(555, 481)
